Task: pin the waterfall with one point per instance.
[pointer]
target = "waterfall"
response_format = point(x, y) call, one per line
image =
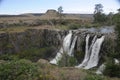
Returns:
point(67, 42)
point(71, 51)
point(84, 62)
point(91, 53)
point(87, 51)
point(93, 41)
point(91, 57)
point(94, 57)
point(57, 57)
point(67, 48)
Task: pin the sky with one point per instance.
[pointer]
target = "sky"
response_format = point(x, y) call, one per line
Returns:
point(69, 6)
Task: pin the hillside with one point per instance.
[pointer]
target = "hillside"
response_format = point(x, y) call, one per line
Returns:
point(50, 14)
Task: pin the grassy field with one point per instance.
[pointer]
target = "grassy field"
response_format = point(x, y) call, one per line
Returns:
point(49, 15)
point(23, 28)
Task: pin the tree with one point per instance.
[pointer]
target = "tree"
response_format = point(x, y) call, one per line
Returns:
point(110, 63)
point(98, 8)
point(117, 29)
point(99, 17)
point(60, 10)
point(116, 17)
point(112, 69)
point(110, 18)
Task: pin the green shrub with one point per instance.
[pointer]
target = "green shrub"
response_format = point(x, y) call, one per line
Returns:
point(18, 70)
point(34, 54)
point(67, 61)
point(117, 48)
point(79, 55)
point(8, 57)
point(112, 69)
point(93, 77)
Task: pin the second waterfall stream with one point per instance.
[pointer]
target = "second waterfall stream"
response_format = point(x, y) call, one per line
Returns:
point(91, 58)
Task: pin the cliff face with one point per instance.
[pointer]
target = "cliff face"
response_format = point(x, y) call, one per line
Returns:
point(34, 38)
point(15, 42)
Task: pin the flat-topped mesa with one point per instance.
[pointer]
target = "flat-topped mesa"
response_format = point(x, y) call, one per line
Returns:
point(51, 12)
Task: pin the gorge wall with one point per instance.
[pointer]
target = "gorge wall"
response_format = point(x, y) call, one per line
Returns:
point(34, 38)
point(17, 41)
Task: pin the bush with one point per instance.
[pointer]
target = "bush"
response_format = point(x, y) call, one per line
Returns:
point(117, 48)
point(112, 69)
point(18, 70)
point(34, 54)
point(67, 61)
point(8, 57)
point(79, 55)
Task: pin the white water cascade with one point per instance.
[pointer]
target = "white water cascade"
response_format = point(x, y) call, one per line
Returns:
point(92, 53)
point(94, 57)
point(91, 57)
point(67, 42)
point(66, 48)
point(87, 51)
point(71, 51)
point(57, 57)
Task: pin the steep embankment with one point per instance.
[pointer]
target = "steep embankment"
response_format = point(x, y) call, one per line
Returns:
point(18, 42)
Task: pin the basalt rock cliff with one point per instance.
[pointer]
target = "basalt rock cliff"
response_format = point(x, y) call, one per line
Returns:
point(19, 41)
